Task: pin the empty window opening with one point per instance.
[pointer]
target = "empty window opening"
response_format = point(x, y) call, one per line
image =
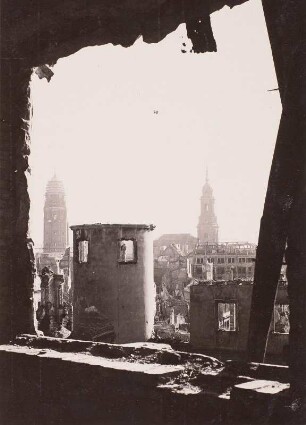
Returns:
point(226, 317)
point(83, 251)
point(127, 251)
point(281, 318)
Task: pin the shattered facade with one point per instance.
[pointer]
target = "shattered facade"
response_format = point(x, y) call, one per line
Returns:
point(220, 314)
point(229, 261)
point(53, 313)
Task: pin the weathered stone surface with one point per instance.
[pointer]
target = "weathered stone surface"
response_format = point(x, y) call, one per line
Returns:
point(261, 388)
point(257, 370)
point(255, 401)
point(168, 357)
point(49, 383)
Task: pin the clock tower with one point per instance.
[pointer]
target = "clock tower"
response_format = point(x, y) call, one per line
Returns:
point(55, 218)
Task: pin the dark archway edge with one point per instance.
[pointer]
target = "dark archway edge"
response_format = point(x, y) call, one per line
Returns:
point(36, 32)
point(283, 222)
point(43, 31)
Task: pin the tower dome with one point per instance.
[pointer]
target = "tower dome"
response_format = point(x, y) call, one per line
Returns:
point(207, 189)
point(55, 186)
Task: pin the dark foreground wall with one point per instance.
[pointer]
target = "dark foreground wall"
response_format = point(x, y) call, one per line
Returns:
point(52, 381)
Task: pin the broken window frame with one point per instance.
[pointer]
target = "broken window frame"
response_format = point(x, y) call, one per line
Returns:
point(284, 310)
point(83, 256)
point(135, 259)
point(226, 301)
point(81, 235)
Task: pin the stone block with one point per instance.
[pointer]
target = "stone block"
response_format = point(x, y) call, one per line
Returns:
point(255, 401)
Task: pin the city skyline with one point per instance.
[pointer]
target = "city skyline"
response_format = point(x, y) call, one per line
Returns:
point(130, 132)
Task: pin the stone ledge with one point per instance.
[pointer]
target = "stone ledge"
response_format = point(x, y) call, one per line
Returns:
point(73, 381)
point(257, 401)
point(146, 374)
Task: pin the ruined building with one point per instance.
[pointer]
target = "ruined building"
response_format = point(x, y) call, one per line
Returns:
point(207, 226)
point(220, 314)
point(113, 285)
point(53, 314)
point(185, 242)
point(229, 260)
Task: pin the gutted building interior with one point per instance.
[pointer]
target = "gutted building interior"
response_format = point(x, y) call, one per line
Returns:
point(37, 34)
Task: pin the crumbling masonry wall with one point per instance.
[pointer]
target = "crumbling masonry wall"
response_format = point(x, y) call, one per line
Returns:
point(54, 381)
point(204, 321)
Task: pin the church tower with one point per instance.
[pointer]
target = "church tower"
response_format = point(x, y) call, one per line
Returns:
point(55, 218)
point(208, 226)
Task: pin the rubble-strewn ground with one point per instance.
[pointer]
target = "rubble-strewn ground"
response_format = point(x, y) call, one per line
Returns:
point(184, 388)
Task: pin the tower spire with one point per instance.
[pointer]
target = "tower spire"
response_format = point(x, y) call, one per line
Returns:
point(207, 225)
point(54, 173)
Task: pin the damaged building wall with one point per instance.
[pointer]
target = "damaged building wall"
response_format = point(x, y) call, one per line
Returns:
point(206, 332)
point(113, 286)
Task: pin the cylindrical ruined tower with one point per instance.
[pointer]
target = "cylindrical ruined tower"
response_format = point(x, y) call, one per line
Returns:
point(113, 284)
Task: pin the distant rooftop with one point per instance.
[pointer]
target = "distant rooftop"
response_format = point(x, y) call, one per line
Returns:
point(176, 236)
point(114, 225)
point(228, 248)
point(225, 282)
point(237, 282)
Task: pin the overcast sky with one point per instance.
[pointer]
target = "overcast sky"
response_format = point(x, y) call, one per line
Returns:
point(96, 125)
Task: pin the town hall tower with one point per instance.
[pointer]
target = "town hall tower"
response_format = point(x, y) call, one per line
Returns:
point(55, 218)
